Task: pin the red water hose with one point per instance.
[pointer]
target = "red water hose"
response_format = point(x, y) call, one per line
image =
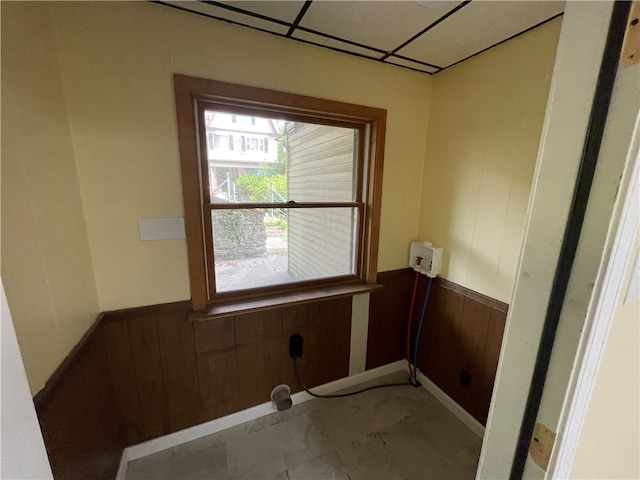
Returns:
point(413, 299)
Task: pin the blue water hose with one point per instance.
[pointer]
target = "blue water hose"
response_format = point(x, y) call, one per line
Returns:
point(415, 349)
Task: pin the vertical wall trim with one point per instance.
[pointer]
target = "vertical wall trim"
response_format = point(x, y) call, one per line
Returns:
point(564, 269)
point(23, 451)
point(600, 315)
point(359, 334)
point(575, 72)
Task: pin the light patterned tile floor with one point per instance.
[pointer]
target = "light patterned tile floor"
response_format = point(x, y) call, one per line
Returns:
point(387, 434)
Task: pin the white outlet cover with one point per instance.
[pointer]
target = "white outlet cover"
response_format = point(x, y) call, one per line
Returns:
point(161, 228)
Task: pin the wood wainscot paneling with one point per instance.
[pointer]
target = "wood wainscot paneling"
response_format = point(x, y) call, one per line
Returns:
point(171, 372)
point(461, 335)
point(145, 372)
point(80, 422)
point(388, 312)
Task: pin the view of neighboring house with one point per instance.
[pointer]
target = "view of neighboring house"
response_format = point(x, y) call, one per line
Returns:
point(236, 145)
point(321, 162)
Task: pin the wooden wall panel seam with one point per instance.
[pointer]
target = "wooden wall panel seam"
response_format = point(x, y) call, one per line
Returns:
point(198, 383)
point(127, 398)
point(151, 384)
point(177, 353)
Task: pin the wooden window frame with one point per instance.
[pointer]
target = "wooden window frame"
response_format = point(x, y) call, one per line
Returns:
point(191, 93)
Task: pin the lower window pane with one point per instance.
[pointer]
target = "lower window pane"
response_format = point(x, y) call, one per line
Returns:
point(262, 247)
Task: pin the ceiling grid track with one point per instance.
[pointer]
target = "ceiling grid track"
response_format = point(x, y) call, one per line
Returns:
point(343, 40)
point(425, 30)
point(303, 10)
point(302, 21)
point(244, 12)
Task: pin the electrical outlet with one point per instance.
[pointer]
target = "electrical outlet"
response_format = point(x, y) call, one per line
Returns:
point(295, 346)
point(465, 378)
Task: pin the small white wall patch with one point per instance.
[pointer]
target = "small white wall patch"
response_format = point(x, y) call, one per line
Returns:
point(161, 228)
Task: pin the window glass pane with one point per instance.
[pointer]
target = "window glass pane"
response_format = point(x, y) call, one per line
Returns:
point(220, 141)
point(262, 247)
point(321, 162)
point(278, 161)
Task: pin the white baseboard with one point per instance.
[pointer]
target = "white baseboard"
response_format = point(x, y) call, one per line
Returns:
point(465, 417)
point(124, 463)
point(202, 430)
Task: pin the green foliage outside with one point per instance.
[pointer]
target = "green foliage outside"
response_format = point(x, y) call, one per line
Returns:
point(276, 222)
point(260, 186)
point(272, 178)
point(270, 185)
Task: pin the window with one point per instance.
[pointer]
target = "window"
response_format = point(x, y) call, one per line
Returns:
point(302, 215)
point(254, 144)
point(220, 141)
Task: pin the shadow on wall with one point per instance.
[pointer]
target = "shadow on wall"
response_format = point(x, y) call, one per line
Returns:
point(484, 131)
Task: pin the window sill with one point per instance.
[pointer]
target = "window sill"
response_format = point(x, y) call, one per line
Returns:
point(267, 302)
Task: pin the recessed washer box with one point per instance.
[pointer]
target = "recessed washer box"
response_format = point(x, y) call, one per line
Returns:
point(425, 258)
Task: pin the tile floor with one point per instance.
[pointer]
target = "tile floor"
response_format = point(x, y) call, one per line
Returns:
point(391, 433)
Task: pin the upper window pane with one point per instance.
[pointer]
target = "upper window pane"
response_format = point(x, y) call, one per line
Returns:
point(262, 159)
point(322, 162)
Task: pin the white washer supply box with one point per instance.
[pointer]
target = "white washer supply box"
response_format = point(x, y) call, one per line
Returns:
point(425, 258)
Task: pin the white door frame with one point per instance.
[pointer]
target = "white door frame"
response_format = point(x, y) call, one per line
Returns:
point(22, 450)
point(611, 277)
point(581, 45)
point(582, 40)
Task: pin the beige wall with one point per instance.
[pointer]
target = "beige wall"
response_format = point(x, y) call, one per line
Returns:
point(46, 265)
point(98, 76)
point(484, 131)
point(609, 443)
point(116, 62)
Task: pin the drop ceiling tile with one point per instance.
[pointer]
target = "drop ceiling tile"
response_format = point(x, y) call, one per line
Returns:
point(223, 13)
point(286, 11)
point(379, 24)
point(329, 42)
point(408, 63)
point(478, 25)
